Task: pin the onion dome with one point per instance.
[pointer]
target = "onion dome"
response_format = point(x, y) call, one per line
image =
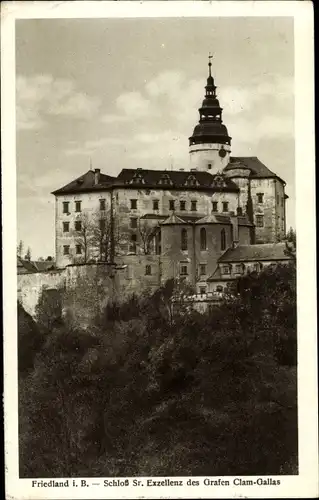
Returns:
point(210, 128)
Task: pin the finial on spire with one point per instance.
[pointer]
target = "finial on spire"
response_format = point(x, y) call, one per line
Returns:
point(210, 57)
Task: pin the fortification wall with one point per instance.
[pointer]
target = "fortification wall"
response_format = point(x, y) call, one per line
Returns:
point(31, 285)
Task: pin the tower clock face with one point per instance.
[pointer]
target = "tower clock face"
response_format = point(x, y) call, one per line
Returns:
point(222, 153)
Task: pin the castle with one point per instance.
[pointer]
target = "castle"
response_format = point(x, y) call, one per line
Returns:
point(204, 224)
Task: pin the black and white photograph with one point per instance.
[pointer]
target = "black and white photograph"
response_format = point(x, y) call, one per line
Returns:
point(156, 253)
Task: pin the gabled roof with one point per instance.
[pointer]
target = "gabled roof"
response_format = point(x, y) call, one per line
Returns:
point(173, 219)
point(178, 179)
point(258, 252)
point(34, 266)
point(86, 183)
point(216, 218)
point(257, 168)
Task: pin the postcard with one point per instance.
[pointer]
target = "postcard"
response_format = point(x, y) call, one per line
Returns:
point(159, 238)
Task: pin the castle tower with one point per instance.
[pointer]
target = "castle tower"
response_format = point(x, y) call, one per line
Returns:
point(209, 146)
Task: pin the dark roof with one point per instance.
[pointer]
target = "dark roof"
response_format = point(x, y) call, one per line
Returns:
point(216, 218)
point(175, 179)
point(257, 168)
point(265, 251)
point(86, 183)
point(34, 266)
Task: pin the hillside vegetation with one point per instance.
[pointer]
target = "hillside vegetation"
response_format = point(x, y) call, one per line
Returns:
point(157, 389)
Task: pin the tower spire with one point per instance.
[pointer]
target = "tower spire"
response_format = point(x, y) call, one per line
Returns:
point(210, 57)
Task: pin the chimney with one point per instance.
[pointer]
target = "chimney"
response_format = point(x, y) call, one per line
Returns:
point(235, 232)
point(97, 176)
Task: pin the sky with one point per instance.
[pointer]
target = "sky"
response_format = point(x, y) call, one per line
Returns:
point(125, 93)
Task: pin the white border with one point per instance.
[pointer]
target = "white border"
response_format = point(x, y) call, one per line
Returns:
point(306, 483)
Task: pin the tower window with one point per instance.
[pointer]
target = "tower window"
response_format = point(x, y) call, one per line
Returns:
point(184, 270)
point(66, 227)
point(259, 220)
point(203, 239)
point(223, 239)
point(182, 205)
point(172, 204)
point(78, 225)
point(225, 206)
point(78, 249)
point(78, 206)
point(66, 249)
point(102, 224)
point(209, 166)
point(193, 205)
point(102, 205)
point(148, 270)
point(133, 204)
point(155, 204)
point(215, 206)
point(133, 243)
point(202, 269)
point(260, 197)
point(184, 239)
point(65, 207)
point(134, 222)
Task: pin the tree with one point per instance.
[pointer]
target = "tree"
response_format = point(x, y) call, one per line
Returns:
point(147, 233)
point(28, 254)
point(291, 243)
point(20, 249)
point(84, 236)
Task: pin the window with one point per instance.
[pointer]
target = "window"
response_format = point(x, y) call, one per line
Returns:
point(202, 290)
point(202, 269)
point(209, 166)
point(260, 197)
point(66, 249)
point(134, 222)
point(215, 206)
point(102, 224)
point(225, 270)
point(133, 243)
point(78, 225)
point(259, 220)
point(172, 204)
point(239, 211)
point(78, 249)
point(133, 204)
point(203, 239)
point(78, 206)
point(277, 199)
point(193, 205)
point(223, 239)
point(182, 205)
point(225, 206)
point(282, 202)
point(238, 269)
point(219, 288)
point(184, 239)
point(256, 267)
point(102, 205)
point(148, 270)
point(155, 204)
point(184, 271)
point(65, 207)
point(66, 227)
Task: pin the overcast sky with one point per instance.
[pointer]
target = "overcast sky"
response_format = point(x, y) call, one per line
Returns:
point(125, 93)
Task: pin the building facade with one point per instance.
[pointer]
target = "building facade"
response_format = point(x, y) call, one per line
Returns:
point(179, 223)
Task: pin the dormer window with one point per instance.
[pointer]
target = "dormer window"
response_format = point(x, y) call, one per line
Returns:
point(191, 181)
point(137, 179)
point(165, 180)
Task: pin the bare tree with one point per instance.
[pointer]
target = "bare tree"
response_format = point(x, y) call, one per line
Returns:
point(84, 236)
point(28, 254)
point(147, 233)
point(20, 249)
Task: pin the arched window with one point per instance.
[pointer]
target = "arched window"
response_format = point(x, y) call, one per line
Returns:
point(203, 240)
point(184, 239)
point(223, 239)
